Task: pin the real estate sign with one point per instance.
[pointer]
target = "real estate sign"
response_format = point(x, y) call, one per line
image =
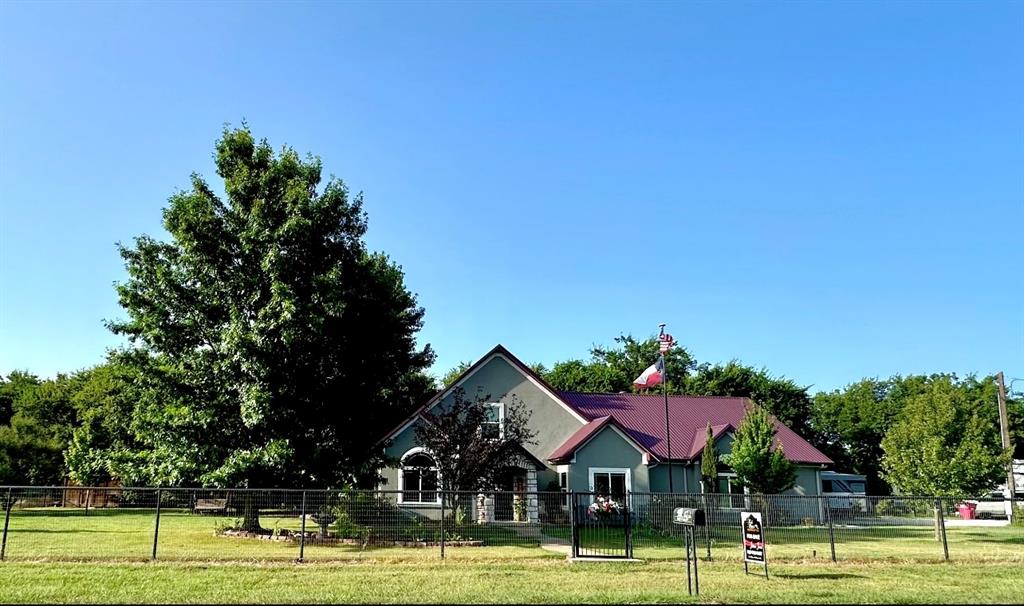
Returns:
point(753, 537)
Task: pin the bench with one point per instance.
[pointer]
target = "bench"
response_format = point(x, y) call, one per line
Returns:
point(211, 505)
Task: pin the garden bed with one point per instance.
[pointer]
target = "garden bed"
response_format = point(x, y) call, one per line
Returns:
point(316, 539)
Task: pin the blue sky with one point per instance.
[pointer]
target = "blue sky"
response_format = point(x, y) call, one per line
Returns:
point(829, 189)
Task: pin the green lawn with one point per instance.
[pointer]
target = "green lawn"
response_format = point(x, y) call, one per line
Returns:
point(65, 556)
point(1000, 544)
point(124, 534)
point(486, 580)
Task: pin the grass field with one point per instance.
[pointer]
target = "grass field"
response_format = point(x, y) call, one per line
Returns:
point(66, 556)
point(120, 534)
point(482, 579)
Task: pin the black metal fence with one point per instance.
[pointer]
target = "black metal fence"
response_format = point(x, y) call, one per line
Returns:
point(115, 523)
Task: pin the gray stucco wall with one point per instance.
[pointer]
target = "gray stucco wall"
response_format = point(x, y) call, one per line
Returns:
point(659, 477)
point(806, 478)
point(806, 481)
point(503, 382)
point(608, 449)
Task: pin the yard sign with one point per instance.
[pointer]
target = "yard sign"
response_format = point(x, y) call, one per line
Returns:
point(752, 528)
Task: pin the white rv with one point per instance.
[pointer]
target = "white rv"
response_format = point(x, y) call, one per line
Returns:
point(845, 491)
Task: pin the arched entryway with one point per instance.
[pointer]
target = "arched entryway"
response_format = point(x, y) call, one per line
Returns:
point(515, 495)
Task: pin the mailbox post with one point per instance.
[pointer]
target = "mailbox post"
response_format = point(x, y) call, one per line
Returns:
point(690, 518)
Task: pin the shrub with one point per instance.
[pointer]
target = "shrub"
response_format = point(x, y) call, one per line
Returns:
point(223, 525)
point(343, 526)
point(906, 508)
point(1018, 516)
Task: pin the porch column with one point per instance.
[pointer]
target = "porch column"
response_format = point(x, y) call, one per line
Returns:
point(485, 508)
point(532, 514)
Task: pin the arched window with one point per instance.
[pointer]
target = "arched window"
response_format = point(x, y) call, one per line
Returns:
point(418, 479)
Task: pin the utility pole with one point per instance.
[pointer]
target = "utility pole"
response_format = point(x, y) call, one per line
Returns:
point(1004, 432)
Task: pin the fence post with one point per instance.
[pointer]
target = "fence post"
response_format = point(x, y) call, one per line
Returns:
point(156, 529)
point(442, 524)
point(302, 532)
point(707, 524)
point(942, 528)
point(629, 527)
point(572, 525)
point(831, 530)
point(7, 521)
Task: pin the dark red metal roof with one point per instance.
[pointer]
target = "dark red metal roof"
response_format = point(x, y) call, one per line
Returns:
point(642, 417)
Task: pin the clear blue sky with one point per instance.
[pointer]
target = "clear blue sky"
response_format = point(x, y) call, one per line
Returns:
point(829, 189)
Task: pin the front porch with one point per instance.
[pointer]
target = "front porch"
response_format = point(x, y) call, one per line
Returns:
point(514, 499)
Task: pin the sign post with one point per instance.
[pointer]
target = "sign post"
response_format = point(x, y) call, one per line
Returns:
point(752, 527)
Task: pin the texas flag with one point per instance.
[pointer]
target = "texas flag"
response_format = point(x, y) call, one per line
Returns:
point(652, 376)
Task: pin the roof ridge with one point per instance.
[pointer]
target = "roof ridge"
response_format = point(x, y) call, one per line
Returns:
point(649, 395)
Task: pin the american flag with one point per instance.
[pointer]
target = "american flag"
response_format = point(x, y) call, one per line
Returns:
point(665, 342)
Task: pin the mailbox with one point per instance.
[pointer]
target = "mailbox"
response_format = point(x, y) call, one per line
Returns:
point(688, 516)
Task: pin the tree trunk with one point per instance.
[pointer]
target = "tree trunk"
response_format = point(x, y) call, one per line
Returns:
point(250, 513)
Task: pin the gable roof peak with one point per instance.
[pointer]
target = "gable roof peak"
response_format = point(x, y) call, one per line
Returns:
point(497, 350)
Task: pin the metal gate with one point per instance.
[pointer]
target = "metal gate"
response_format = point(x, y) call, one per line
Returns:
point(600, 529)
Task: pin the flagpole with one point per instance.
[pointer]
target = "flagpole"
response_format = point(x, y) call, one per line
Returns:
point(664, 385)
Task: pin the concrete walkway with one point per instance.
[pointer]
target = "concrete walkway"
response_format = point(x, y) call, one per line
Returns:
point(553, 544)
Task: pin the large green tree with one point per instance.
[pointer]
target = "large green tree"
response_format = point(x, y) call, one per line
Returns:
point(40, 418)
point(852, 422)
point(273, 348)
point(942, 443)
point(613, 369)
point(102, 442)
point(757, 457)
point(780, 396)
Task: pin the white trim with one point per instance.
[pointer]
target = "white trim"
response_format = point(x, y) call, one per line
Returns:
point(401, 479)
point(559, 470)
point(501, 418)
point(730, 494)
point(629, 476)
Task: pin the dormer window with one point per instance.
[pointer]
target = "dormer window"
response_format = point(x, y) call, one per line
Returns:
point(493, 426)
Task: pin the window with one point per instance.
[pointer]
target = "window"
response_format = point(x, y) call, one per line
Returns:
point(826, 486)
point(727, 485)
point(610, 482)
point(493, 426)
point(857, 487)
point(418, 480)
point(563, 480)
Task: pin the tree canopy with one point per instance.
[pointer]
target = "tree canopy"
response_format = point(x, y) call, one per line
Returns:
point(941, 444)
point(263, 332)
point(757, 456)
point(613, 369)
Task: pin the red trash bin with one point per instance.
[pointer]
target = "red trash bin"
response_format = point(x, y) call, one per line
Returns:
point(967, 510)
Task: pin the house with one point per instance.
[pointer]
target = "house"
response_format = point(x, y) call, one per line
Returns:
point(597, 442)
